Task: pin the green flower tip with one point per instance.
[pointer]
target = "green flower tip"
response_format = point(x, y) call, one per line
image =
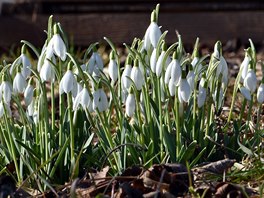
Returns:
point(112, 55)
point(23, 49)
point(129, 60)
point(175, 55)
point(56, 29)
point(218, 47)
point(94, 48)
point(70, 65)
point(164, 46)
point(153, 16)
point(136, 62)
point(130, 91)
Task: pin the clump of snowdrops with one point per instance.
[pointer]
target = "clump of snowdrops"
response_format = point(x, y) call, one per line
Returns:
point(67, 114)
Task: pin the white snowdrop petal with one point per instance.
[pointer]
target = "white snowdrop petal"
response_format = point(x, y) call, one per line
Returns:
point(126, 82)
point(28, 94)
point(137, 77)
point(260, 93)
point(176, 71)
point(250, 82)
point(99, 61)
point(168, 73)
point(172, 87)
point(59, 47)
point(159, 64)
point(113, 70)
point(246, 93)
point(191, 78)
point(19, 83)
point(201, 97)
point(154, 34)
point(244, 67)
point(185, 90)
point(153, 60)
point(130, 105)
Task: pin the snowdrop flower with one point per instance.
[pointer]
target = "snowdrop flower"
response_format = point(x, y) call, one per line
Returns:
point(159, 65)
point(24, 61)
point(167, 76)
point(137, 76)
point(5, 91)
point(196, 67)
point(95, 64)
point(172, 87)
point(250, 82)
point(153, 33)
point(77, 90)
point(130, 105)
point(153, 60)
point(67, 83)
point(5, 107)
point(19, 83)
point(47, 72)
point(31, 107)
point(245, 92)
point(176, 71)
point(184, 89)
point(244, 66)
point(83, 99)
point(113, 68)
point(260, 93)
point(191, 78)
point(57, 45)
point(28, 94)
point(126, 82)
point(220, 99)
point(202, 93)
point(100, 101)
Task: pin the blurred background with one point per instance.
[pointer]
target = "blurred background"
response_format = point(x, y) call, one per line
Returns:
point(88, 21)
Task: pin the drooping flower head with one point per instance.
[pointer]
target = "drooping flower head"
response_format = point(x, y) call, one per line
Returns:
point(68, 82)
point(137, 76)
point(113, 68)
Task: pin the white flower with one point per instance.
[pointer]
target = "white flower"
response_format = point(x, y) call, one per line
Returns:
point(244, 67)
point(176, 71)
point(154, 34)
point(245, 92)
point(260, 93)
point(31, 107)
point(77, 90)
point(113, 70)
point(83, 98)
point(26, 65)
point(191, 78)
point(5, 106)
point(167, 76)
point(172, 87)
point(68, 82)
point(19, 83)
point(250, 82)
point(159, 66)
point(47, 72)
point(196, 67)
point(153, 60)
point(137, 77)
point(58, 46)
point(184, 90)
point(95, 64)
point(100, 100)
point(6, 91)
point(201, 96)
point(126, 82)
point(28, 94)
point(130, 105)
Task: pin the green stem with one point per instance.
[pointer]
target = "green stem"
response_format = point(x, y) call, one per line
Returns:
point(160, 121)
point(70, 114)
point(53, 110)
point(241, 115)
point(178, 129)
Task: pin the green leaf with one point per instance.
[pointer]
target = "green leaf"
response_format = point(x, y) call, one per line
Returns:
point(188, 153)
point(88, 142)
point(245, 149)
